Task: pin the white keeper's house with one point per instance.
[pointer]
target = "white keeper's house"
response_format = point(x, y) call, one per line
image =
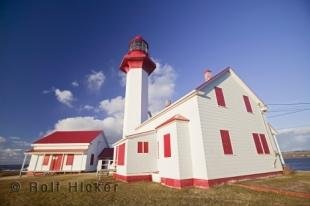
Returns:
point(215, 133)
point(67, 151)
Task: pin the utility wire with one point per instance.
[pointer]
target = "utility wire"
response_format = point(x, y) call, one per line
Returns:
point(284, 114)
point(285, 104)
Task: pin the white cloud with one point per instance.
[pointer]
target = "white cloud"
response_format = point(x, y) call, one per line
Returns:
point(122, 76)
point(161, 86)
point(113, 106)
point(64, 96)
point(12, 150)
point(161, 89)
point(112, 126)
point(2, 140)
point(88, 107)
point(95, 80)
point(75, 84)
point(293, 139)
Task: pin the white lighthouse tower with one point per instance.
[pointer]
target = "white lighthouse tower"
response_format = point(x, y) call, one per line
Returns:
point(137, 65)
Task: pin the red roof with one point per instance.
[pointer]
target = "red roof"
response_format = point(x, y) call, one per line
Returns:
point(174, 118)
point(107, 153)
point(69, 137)
point(56, 151)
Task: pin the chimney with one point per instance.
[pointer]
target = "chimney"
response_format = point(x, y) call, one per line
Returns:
point(207, 74)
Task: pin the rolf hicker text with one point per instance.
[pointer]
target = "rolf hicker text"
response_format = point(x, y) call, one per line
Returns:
point(73, 187)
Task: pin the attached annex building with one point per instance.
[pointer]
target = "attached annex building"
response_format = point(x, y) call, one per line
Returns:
point(214, 134)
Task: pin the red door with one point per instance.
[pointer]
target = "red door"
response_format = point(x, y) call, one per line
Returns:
point(56, 162)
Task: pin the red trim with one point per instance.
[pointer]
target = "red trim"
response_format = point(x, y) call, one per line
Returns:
point(69, 137)
point(226, 143)
point(264, 143)
point(70, 158)
point(174, 118)
point(137, 60)
point(132, 178)
point(202, 183)
point(140, 147)
point(145, 147)
point(121, 154)
point(247, 104)
point(257, 142)
point(46, 160)
point(167, 145)
point(219, 96)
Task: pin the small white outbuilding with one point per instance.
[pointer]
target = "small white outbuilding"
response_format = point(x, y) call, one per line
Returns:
point(66, 151)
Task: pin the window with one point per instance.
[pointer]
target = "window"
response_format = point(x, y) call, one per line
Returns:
point(226, 142)
point(258, 144)
point(264, 143)
point(146, 147)
point(167, 146)
point(140, 147)
point(70, 158)
point(46, 159)
point(143, 147)
point(121, 155)
point(92, 159)
point(219, 96)
point(247, 104)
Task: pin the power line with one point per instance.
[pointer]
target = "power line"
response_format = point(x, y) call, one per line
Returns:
point(286, 110)
point(286, 104)
point(284, 114)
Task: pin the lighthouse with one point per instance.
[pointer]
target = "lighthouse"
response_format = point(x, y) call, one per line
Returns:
point(137, 65)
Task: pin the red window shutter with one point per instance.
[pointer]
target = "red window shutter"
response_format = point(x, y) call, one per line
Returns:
point(92, 159)
point(247, 104)
point(70, 158)
point(121, 154)
point(226, 142)
point(257, 142)
point(220, 96)
point(167, 146)
point(140, 147)
point(264, 143)
point(46, 159)
point(146, 147)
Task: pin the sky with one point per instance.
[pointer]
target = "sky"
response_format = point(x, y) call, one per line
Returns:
point(59, 61)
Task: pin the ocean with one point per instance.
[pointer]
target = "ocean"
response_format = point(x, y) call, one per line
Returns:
point(298, 163)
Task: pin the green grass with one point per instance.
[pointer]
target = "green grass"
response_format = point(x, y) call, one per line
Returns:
point(297, 182)
point(141, 193)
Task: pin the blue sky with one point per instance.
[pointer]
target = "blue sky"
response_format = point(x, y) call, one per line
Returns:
point(47, 45)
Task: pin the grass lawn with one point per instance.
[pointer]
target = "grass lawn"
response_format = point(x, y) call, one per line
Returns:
point(143, 193)
point(297, 182)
